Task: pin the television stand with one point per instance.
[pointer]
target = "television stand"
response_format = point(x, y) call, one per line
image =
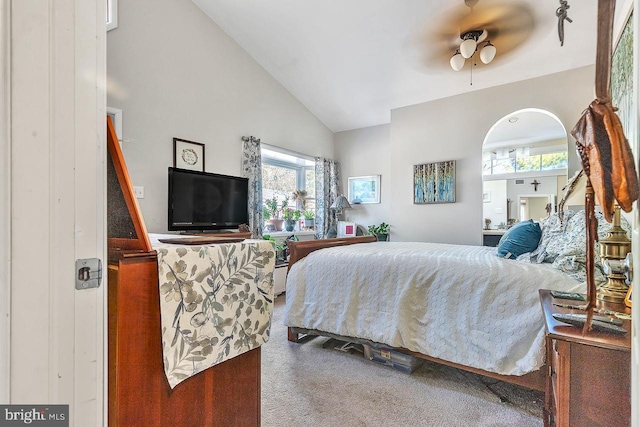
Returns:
point(244, 235)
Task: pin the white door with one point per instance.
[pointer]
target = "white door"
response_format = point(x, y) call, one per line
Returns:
point(54, 192)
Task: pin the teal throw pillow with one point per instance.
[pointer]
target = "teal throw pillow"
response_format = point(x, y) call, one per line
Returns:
point(523, 237)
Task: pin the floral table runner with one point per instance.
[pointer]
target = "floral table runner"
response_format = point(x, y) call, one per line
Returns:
point(215, 303)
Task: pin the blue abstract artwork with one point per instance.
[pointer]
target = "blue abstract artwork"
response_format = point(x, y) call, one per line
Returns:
point(434, 182)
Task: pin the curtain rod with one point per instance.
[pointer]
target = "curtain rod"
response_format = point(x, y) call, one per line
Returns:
point(280, 149)
point(250, 138)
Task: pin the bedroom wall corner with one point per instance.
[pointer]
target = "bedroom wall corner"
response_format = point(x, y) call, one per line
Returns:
point(363, 152)
point(175, 73)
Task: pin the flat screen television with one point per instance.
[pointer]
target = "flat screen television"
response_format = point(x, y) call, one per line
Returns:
point(206, 201)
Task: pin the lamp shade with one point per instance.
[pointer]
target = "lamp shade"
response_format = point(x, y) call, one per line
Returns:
point(468, 48)
point(488, 53)
point(341, 203)
point(457, 61)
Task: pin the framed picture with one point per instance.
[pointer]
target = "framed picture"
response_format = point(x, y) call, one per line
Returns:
point(188, 155)
point(346, 229)
point(364, 189)
point(435, 182)
point(486, 197)
point(622, 80)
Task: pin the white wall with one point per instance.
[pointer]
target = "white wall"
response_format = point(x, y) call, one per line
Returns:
point(548, 186)
point(454, 129)
point(495, 208)
point(366, 152)
point(175, 73)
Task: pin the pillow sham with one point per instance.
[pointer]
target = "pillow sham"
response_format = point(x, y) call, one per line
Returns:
point(551, 227)
point(519, 239)
point(564, 244)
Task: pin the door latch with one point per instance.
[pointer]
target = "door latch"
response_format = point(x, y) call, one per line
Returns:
point(88, 273)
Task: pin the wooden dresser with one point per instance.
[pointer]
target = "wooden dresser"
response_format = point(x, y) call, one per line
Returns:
point(589, 376)
point(227, 394)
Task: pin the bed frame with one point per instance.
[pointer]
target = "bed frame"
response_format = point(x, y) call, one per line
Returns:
point(298, 250)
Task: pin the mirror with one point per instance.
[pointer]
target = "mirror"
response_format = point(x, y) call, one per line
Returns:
point(524, 168)
point(536, 207)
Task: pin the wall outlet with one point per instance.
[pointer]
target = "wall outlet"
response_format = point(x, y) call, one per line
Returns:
point(138, 191)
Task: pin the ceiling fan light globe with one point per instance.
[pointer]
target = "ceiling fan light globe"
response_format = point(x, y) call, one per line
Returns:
point(457, 62)
point(488, 53)
point(468, 48)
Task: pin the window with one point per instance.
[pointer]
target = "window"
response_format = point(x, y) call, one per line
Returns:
point(538, 162)
point(283, 173)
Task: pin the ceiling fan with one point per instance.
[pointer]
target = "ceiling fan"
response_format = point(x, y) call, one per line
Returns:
point(490, 28)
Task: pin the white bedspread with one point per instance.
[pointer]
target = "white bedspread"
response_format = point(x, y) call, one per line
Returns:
point(458, 303)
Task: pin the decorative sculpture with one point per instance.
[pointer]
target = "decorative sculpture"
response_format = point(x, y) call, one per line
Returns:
point(562, 15)
point(604, 151)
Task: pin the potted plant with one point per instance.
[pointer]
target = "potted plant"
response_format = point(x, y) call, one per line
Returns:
point(281, 248)
point(380, 231)
point(309, 219)
point(296, 217)
point(272, 211)
point(266, 217)
point(289, 219)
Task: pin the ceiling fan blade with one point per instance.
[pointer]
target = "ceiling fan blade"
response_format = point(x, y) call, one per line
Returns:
point(508, 23)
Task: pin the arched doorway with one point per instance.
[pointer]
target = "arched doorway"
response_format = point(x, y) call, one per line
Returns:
point(524, 168)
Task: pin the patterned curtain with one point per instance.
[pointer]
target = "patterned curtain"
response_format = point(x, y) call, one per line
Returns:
point(252, 169)
point(327, 191)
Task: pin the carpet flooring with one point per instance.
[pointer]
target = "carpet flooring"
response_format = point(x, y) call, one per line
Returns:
point(309, 385)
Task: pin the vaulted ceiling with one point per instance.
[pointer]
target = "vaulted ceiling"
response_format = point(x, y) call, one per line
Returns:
point(352, 61)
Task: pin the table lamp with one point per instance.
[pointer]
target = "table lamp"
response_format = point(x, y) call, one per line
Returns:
point(338, 206)
point(613, 248)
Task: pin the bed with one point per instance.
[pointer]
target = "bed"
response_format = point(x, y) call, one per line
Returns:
point(458, 305)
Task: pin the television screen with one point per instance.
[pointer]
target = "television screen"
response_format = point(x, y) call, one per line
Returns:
point(206, 201)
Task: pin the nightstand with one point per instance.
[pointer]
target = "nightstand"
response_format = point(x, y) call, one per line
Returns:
point(589, 376)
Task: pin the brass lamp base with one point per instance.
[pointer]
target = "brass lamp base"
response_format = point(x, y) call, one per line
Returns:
point(613, 250)
point(615, 290)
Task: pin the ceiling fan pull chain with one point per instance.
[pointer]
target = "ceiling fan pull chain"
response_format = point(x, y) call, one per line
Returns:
point(473, 64)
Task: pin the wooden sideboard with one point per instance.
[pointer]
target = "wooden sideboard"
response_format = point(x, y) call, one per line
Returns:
point(227, 394)
point(589, 376)
point(242, 235)
point(139, 394)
